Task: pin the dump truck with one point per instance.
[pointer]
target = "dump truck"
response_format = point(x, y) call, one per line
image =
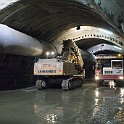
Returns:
point(109, 69)
point(64, 70)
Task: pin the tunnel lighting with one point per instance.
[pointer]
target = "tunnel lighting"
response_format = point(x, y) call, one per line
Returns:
point(119, 55)
point(47, 53)
point(78, 28)
point(52, 53)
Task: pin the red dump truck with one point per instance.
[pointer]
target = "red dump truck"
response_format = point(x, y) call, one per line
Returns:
point(109, 69)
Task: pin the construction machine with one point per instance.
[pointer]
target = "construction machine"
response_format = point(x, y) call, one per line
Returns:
point(65, 70)
point(109, 69)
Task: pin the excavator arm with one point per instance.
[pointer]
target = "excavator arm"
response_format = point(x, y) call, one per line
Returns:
point(71, 53)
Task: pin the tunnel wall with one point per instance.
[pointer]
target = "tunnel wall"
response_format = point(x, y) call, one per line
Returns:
point(110, 8)
point(16, 71)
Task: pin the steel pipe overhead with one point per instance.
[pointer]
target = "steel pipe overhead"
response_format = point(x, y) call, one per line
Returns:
point(15, 42)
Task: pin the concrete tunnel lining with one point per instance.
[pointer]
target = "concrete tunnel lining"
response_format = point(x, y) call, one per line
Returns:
point(105, 47)
point(47, 30)
point(52, 19)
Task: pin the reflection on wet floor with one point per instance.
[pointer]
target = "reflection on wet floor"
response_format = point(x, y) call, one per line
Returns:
point(86, 105)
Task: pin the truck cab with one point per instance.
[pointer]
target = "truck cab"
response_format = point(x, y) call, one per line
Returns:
point(109, 68)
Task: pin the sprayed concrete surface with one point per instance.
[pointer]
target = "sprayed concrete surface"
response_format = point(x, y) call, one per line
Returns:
point(86, 105)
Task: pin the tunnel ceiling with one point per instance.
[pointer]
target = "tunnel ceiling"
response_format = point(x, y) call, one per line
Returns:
point(47, 19)
point(87, 43)
point(120, 3)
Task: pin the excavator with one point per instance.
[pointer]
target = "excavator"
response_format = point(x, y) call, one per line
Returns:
point(65, 69)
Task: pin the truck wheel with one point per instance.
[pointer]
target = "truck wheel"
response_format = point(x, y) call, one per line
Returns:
point(40, 84)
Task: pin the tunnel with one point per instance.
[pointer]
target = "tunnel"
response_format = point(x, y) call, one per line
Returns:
point(28, 29)
point(84, 41)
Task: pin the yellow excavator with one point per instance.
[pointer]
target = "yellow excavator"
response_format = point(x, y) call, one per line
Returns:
point(65, 70)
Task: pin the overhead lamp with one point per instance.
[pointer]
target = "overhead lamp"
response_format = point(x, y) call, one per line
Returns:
point(52, 53)
point(47, 53)
point(78, 27)
point(119, 55)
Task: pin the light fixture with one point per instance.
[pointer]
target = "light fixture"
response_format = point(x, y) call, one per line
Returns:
point(119, 55)
point(78, 27)
point(47, 53)
point(52, 53)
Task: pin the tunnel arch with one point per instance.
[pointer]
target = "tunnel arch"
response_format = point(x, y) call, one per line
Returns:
point(60, 16)
point(46, 21)
point(105, 47)
point(87, 34)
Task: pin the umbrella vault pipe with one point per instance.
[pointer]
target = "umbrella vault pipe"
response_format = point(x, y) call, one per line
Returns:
point(15, 42)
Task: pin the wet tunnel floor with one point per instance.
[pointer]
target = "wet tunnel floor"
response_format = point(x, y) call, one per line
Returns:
point(86, 105)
